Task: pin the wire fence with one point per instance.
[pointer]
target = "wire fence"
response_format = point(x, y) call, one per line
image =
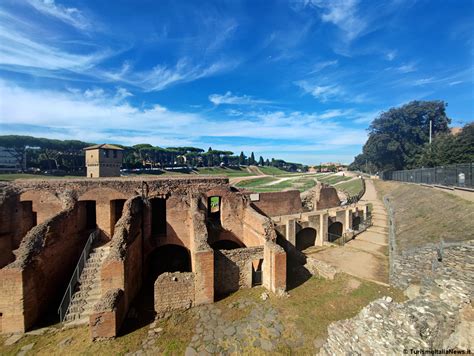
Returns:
point(458, 175)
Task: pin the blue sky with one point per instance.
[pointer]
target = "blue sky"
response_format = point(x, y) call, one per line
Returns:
point(298, 80)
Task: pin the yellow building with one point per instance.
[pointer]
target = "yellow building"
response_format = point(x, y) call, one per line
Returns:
point(103, 160)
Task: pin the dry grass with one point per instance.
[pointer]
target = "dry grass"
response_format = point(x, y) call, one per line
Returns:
point(424, 215)
point(309, 310)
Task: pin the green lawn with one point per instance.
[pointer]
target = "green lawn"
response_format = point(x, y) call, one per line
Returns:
point(352, 188)
point(229, 172)
point(272, 171)
point(333, 179)
point(261, 185)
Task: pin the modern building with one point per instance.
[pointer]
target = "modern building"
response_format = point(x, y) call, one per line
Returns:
point(103, 160)
point(9, 162)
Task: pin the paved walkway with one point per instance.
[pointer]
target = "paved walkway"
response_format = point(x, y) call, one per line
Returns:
point(365, 256)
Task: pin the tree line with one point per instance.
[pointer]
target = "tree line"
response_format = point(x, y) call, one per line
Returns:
point(400, 139)
point(68, 155)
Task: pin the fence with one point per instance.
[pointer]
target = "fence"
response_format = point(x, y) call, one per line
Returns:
point(76, 275)
point(459, 175)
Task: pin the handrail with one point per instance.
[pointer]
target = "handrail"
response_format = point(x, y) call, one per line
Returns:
point(64, 306)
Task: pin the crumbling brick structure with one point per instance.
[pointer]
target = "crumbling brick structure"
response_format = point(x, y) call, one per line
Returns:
point(195, 236)
point(152, 226)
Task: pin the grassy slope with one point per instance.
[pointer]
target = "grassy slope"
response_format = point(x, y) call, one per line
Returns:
point(353, 187)
point(260, 185)
point(424, 215)
point(272, 171)
point(310, 309)
point(333, 179)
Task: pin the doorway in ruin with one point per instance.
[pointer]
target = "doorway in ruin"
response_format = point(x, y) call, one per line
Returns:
point(257, 272)
point(334, 231)
point(214, 210)
point(225, 245)
point(168, 258)
point(116, 210)
point(305, 238)
point(356, 220)
point(91, 214)
point(158, 216)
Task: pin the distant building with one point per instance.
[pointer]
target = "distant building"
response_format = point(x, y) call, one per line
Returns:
point(8, 161)
point(103, 160)
point(455, 130)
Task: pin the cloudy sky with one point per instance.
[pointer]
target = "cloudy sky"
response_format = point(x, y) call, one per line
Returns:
point(298, 80)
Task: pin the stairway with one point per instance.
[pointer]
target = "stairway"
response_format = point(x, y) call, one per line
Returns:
point(88, 291)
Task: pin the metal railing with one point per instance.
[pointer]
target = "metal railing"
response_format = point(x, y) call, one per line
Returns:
point(364, 224)
point(345, 237)
point(337, 239)
point(63, 307)
point(459, 175)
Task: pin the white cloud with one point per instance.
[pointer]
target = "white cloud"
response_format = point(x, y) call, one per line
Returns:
point(406, 68)
point(161, 77)
point(22, 50)
point(390, 56)
point(230, 99)
point(321, 65)
point(343, 14)
point(68, 15)
point(97, 117)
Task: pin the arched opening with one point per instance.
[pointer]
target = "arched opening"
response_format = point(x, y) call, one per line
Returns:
point(168, 258)
point(305, 238)
point(225, 245)
point(356, 220)
point(334, 231)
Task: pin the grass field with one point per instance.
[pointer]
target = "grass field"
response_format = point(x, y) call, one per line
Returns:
point(424, 215)
point(352, 188)
point(272, 171)
point(280, 183)
point(229, 172)
point(308, 311)
point(332, 179)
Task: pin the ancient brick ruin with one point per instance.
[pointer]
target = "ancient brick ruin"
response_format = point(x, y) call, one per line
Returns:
point(185, 239)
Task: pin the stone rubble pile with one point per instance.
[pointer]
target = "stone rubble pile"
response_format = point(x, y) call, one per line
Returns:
point(439, 315)
point(388, 327)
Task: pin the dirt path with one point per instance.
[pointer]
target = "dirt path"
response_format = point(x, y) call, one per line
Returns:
point(279, 181)
point(365, 256)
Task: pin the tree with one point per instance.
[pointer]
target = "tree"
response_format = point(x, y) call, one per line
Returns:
point(242, 158)
point(260, 161)
point(252, 159)
point(398, 136)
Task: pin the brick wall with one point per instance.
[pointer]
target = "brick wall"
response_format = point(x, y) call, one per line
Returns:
point(36, 280)
point(233, 268)
point(327, 198)
point(279, 203)
point(174, 291)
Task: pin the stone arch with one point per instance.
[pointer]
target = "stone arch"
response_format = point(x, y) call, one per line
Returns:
point(334, 231)
point(305, 238)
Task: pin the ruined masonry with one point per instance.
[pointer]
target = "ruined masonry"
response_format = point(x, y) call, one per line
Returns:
point(185, 240)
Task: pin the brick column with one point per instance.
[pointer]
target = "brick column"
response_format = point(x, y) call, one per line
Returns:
point(203, 268)
point(323, 229)
point(291, 231)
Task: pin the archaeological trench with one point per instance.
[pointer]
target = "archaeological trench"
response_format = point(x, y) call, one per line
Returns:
point(184, 240)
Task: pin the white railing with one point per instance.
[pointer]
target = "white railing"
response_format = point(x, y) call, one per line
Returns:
point(63, 307)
